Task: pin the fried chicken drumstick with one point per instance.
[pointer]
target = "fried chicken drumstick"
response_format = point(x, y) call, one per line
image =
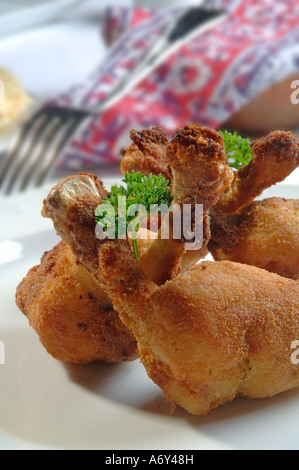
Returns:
point(218, 331)
point(71, 313)
point(76, 323)
point(263, 233)
point(275, 157)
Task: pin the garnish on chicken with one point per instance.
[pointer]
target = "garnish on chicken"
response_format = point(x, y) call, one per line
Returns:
point(219, 330)
point(146, 194)
point(275, 157)
point(71, 205)
point(263, 233)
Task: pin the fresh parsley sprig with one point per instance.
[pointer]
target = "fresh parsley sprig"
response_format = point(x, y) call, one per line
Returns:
point(146, 193)
point(237, 149)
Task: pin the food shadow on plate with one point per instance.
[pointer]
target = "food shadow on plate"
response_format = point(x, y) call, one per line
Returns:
point(124, 383)
point(129, 385)
point(244, 424)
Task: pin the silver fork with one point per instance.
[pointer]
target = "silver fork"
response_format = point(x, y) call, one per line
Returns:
point(44, 136)
point(37, 148)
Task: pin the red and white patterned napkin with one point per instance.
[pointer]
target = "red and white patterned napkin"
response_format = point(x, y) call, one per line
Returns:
point(207, 80)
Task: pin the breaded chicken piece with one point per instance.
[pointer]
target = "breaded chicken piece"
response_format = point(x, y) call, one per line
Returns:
point(147, 153)
point(219, 331)
point(71, 313)
point(222, 330)
point(71, 204)
point(195, 154)
point(200, 174)
point(264, 234)
point(151, 153)
point(275, 157)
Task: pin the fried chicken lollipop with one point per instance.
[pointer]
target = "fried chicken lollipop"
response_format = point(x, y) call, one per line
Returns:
point(263, 233)
point(76, 324)
point(275, 157)
point(71, 313)
point(218, 331)
point(222, 330)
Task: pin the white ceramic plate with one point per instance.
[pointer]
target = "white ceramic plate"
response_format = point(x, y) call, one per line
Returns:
point(16, 15)
point(45, 404)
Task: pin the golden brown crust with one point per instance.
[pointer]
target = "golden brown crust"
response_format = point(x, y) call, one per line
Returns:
point(264, 234)
point(200, 172)
point(72, 315)
point(220, 331)
point(147, 153)
point(72, 201)
point(275, 157)
point(71, 205)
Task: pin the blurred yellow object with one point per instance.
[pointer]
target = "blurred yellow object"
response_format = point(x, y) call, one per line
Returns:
point(14, 101)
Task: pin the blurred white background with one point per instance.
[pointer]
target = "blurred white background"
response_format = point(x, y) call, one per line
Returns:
point(73, 45)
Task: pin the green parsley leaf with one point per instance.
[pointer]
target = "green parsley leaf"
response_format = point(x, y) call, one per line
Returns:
point(149, 192)
point(237, 149)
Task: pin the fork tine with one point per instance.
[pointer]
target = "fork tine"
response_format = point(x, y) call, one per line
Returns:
point(44, 140)
point(57, 148)
point(17, 152)
point(30, 160)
